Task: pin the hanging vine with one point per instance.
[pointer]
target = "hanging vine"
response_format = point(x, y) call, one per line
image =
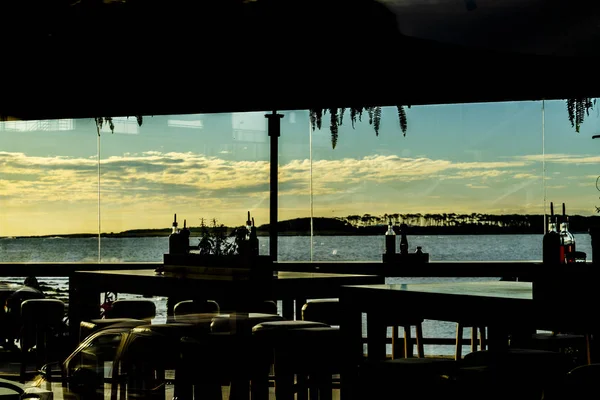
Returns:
point(578, 109)
point(337, 118)
point(109, 121)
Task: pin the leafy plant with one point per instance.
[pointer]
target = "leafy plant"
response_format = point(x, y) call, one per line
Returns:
point(337, 118)
point(215, 240)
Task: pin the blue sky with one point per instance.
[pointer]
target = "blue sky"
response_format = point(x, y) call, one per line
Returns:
point(460, 158)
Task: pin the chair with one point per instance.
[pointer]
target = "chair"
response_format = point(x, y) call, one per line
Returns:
point(127, 312)
point(132, 308)
point(186, 307)
point(42, 332)
point(328, 311)
point(138, 372)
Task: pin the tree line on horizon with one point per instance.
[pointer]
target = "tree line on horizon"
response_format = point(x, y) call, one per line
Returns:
point(369, 224)
point(527, 223)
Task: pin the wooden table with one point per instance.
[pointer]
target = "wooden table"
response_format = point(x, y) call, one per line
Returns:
point(501, 306)
point(85, 288)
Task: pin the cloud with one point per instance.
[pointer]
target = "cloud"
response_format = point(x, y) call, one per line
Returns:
point(473, 186)
point(560, 158)
point(154, 176)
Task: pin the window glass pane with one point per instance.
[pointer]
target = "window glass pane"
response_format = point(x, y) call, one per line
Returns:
point(48, 185)
point(294, 187)
point(461, 169)
point(571, 163)
point(205, 169)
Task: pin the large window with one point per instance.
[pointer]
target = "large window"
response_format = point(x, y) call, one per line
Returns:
point(461, 169)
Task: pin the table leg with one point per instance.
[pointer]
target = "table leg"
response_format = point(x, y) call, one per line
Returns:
point(376, 336)
point(351, 334)
point(84, 304)
point(497, 338)
point(287, 308)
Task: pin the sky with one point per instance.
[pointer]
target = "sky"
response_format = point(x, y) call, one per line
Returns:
point(462, 158)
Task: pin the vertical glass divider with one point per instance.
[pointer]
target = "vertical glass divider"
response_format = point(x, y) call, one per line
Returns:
point(98, 162)
point(310, 135)
point(544, 162)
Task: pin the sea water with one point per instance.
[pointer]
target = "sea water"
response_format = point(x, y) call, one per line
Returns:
point(290, 248)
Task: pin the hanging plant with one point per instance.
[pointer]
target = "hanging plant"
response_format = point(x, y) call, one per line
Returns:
point(109, 120)
point(337, 117)
point(578, 109)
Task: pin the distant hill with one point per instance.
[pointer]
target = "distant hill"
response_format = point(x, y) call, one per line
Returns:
point(321, 226)
point(428, 224)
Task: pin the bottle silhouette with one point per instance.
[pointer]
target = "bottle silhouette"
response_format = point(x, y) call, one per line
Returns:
point(174, 238)
point(551, 253)
point(253, 240)
point(403, 239)
point(244, 240)
point(185, 238)
point(567, 241)
point(390, 240)
point(248, 227)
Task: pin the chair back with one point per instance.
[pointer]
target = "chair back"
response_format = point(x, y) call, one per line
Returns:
point(49, 312)
point(133, 308)
point(186, 307)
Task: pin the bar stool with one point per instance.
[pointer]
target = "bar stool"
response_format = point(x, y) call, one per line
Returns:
point(328, 311)
point(477, 343)
point(294, 348)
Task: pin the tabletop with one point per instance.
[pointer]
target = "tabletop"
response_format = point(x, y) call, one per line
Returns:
point(292, 288)
point(492, 289)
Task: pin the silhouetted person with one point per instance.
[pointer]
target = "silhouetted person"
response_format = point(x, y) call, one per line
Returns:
point(12, 319)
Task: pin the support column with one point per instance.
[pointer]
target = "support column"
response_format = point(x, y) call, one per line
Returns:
point(273, 129)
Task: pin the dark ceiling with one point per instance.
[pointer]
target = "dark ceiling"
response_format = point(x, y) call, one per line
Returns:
point(149, 57)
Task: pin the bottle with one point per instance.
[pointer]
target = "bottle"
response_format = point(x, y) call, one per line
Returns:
point(244, 239)
point(248, 227)
point(390, 240)
point(567, 241)
point(253, 240)
point(551, 242)
point(185, 238)
point(403, 239)
point(174, 244)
